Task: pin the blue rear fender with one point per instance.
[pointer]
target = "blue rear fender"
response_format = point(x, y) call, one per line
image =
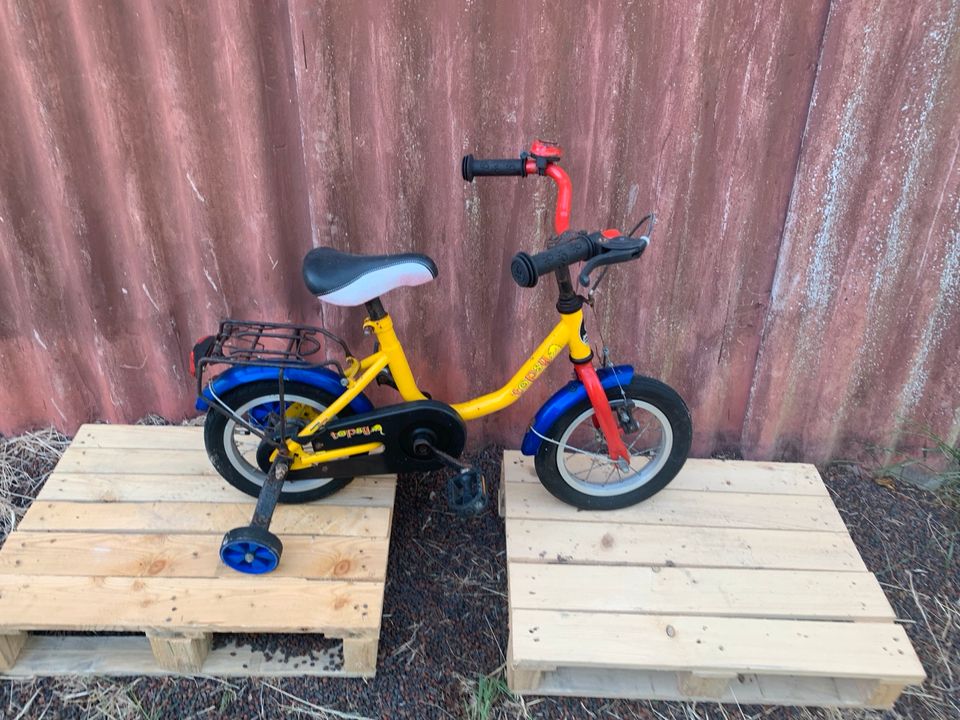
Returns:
point(564, 399)
point(319, 377)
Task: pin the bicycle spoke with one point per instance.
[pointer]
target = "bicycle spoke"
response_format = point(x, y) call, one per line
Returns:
point(593, 464)
point(595, 459)
point(613, 467)
point(635, 441)
point(578, 451)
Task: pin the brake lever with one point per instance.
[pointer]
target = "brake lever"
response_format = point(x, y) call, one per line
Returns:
point(617, 250)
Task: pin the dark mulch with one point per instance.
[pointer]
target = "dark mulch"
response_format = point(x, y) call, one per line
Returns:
point(445, 626)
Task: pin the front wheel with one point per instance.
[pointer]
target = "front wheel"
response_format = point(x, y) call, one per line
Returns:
point(573, 463)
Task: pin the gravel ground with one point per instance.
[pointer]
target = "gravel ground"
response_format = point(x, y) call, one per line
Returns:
point(445, 625)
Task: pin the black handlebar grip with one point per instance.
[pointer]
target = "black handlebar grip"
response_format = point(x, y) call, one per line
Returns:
point(471, 167)
point(527, 269)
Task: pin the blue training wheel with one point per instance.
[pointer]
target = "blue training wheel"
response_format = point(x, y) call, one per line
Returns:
point(251, 550)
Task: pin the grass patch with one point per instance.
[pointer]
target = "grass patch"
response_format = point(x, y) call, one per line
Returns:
point(941, 461)
point(25, 463)
point(487, 697)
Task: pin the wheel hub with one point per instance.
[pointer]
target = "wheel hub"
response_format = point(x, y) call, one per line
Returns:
point(265, 449)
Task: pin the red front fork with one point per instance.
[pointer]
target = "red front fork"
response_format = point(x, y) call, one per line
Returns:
point(603, 415)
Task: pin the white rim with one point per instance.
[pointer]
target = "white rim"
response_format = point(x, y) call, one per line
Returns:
point(598, 475)
point(250, 470)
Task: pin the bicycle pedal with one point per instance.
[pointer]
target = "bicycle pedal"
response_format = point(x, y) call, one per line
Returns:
point(467, 492)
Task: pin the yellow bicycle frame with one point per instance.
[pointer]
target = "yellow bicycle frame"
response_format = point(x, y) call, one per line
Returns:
point(361, 373)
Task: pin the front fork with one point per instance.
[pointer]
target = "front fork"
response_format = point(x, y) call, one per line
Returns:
point(602, 412)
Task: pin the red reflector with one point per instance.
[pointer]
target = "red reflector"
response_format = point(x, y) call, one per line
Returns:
point(200, 351)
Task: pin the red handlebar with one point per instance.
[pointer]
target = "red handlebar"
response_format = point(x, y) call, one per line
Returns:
point(561, 220)
point(542, 158)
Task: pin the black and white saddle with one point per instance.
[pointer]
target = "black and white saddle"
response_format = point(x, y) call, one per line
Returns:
point(340, 278)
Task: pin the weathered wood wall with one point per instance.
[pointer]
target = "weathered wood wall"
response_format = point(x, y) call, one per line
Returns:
point(166, 163)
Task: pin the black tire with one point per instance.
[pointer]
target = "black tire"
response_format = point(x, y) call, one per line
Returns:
point(562, 482)
point(217, 426)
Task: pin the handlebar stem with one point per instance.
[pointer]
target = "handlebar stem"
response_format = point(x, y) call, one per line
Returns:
point(561, 220)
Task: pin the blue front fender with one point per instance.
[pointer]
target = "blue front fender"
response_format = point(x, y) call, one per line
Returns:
point(318, 377)
point(564, 399)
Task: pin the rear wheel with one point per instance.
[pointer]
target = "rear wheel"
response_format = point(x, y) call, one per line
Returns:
point(573, 462)
point(243, 459)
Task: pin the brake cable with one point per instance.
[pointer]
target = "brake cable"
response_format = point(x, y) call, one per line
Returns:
point(606, 360)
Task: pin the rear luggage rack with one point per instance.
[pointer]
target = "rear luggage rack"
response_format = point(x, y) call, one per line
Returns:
point(262, 344)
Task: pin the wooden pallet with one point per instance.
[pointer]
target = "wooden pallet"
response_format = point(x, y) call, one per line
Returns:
point(738, 583)
point(125, 537)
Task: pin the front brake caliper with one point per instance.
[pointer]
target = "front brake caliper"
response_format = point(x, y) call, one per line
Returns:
point(628, 423)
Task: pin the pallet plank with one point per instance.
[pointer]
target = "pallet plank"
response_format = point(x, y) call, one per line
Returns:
point(745, 689)
point(713, 645)
point(138, 461)
point(711, 475)
point(188, 517)
point(618, 543)
point(700, 591)
point(149, 437)
point(157, 555)
point(129, 487)
point(686, 507)
point(45, 655)
point(237, 604)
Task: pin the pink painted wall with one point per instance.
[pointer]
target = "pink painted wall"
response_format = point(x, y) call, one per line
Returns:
point(164, 164)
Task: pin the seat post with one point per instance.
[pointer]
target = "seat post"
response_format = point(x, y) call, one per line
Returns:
point(375, 309)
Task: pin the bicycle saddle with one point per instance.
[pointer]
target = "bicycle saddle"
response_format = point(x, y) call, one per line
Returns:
point(340, 278)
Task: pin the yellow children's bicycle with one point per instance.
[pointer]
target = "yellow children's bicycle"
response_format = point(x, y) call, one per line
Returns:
point(284, 426)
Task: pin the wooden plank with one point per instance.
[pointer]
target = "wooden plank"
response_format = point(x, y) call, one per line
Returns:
point(156, 555)
point(180, 652)
point(128, 487)
point(125, 655)
point(149, 437)
point(177, 517)
point(137, 461)
point(619, 544)
point(807, 594)
point(711, 475)
point(686, 507)
point(714, 645)
point(236, 604)
point(144, 437)
point(744, 689)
